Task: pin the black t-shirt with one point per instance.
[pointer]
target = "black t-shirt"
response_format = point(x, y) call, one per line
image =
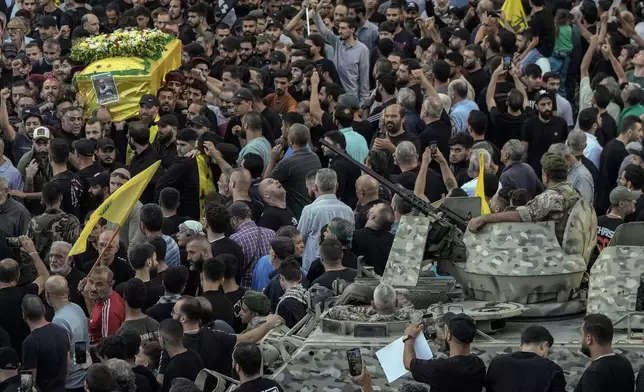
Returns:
point(405, 41)
point(328, 278)
point(540, 136)
point(435, 132)
point(609, 162)
point(144, 379)
point(349, 261)
point(275, 121)
point(506, 126)
point(463, 373)
point(639, 207)
point(377, 18)
point(479, 80)
point(606, 226)
point(374, 245)
point(153, 291)
point(434, 185)
point(171, 224)
point(274, 217)
point(73, 279)
point(291, 310)
point(364, 128)
point(542, 25)
point(524, 371)
point(235, 296)
point(610, 373)
point(45, 350)
point(121, 269)
point(222, 309)
point(72, 190)
point(226, 245)
point(608, 130)
point(11, 311)
point(187, 364)
point(260, 385)
point(214, 347)
point(160, 312)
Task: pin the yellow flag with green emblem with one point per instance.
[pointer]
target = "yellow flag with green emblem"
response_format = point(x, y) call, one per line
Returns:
point(117, 207)
point(515, 14)
point(480, 186)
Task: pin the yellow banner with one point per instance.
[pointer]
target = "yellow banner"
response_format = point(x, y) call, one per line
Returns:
point(480, 186)
point(515, 14)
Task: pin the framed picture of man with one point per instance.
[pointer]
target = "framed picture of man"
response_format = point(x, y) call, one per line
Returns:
point(105, 88)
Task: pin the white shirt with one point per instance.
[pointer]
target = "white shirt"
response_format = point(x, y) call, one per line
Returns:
point(593, 150)
point(470, 187)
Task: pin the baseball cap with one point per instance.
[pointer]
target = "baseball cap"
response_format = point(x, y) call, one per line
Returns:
point(621, 193)
point(542, 94)
point(412, 7)
point(168, 119)
point(257, 302)
point(104, 143)
point(100, 178)
point(461, 33)
point(274, 23)
point(42, 133)
point(264, 37)
point(634, 147)
point(276, 16)
point(461, 326)
point(349, 100)
point(201, 121)
point(31, 111)
point(149, 100)
point(23, 59)
point(47, 22)
point(9, 359)
point(243, 94)
point(231, 43)
point(123, 172)
point(199, 60)
point(84, 147)
point(277, 56)
point(9, 50)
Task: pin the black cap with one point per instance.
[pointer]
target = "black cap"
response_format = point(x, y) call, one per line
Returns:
point(9, 359)
point(543, 94)
point(23, 59)
point(149, 100)
point(277, 56)
point(277, 16)
point(99, 179)
point(47, 22)
point(461, 326)
point(168, 119)
point(201, 121)
point(461, 33)
point(231, 43)
point(274, 23)
point(9, 50)
point(243, 94)
point(104, 143)
point(84, 147)
point(31, 111)
point(412, 7)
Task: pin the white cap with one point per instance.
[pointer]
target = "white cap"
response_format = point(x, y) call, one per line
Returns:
point(41, 132)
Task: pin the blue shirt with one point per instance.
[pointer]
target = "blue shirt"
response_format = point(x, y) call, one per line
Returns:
point(259, 146)
point(289, 152)
point(357, 147)
point(261, 272)
point(12, 175)
point(172, 256)
point(460, 112)
point(593, 149)
point(72, 318)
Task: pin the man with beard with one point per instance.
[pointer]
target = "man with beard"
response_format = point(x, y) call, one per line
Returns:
point(99, 188)
point(243, 100)
point(107, 310)
point(249, 26)
point(276, 213)
point(251, 132)
point(93, 129)
point(386, 87)
point(404, 78)
point(51, 51)
point(367, 32)
point(69, 182)
point(271, 116)
point(182, 175)
point(460, 145)
point(394, 132)
point(106, 154)
point(540, 132)
point(165, 141)
point(230, 47)
point(351, 57)
point(34, 166)
point(175, 81)
point(50, 93)
point(71, 124)
point(281, 101)
point(20, 143)
point(467, 371)
point(62, 264)
point(476, 76)
point(84, 150)
point(142, 257)
point(458, 40)
point(608, 370)
point(148, 109)
point(168, 104)
point(247, 52)
point(54, 224)
point(145, 156)
point(119, 266)
point(402, 37)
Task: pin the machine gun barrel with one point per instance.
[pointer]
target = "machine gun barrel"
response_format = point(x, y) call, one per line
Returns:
point(408, 196)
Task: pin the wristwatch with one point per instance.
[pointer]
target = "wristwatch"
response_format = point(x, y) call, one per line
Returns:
point(407, 337)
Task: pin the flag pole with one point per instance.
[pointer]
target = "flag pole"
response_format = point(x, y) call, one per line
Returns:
point(100, 256)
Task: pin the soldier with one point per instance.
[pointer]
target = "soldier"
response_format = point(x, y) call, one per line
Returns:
point(54, 224)
point(554, 203)
point(252, 309)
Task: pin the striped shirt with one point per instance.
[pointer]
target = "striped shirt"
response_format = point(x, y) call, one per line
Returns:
point(254, 241)
point(172, 256)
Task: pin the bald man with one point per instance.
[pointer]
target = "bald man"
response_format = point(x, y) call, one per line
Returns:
point(275, 213)
point(72, 318)
point(239, 184)
point(367, 192)
point(107, 307)
point(120, 267)
point(374, 241)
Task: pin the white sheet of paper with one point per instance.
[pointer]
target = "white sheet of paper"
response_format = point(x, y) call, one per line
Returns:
point(391, 356)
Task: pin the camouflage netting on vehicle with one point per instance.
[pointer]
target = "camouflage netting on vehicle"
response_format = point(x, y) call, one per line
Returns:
point(580, 236)
point(519, 249)
point(614, 280)
point(406, 255)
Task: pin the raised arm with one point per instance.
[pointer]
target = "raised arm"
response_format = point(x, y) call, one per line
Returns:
point(491, 88)
point(42, 274)
point(9, 131)
point(588, 57)
point(427, 85)
point(314, 103)
point(617, 67)
point(324, 31)
point(518, 84)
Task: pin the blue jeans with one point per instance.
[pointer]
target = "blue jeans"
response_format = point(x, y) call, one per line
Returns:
point(530, 58)
point(559, 63)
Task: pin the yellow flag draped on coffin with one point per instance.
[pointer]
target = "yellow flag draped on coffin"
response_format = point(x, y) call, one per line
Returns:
point(515, 14)
point(117, 207)
point(480, 186)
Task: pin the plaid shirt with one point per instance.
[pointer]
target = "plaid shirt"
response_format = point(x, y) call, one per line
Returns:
point(254, 241)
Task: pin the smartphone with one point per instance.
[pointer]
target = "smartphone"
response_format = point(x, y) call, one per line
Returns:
point(433, 148)
point(355, 362)
point(26, 381)
point(507, 62)
point(80, 352)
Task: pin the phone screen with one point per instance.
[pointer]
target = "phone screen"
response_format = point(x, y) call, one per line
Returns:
point(507, 62)
point(26, 381)
point(433, 149)
point(80, 352)
point(355, 362)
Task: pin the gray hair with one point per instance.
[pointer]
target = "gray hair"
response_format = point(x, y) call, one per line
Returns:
point(459, 87)
point(406, 153)
point(433, 107)
point(407, 99)
point(611, 84)
point(326, 180)
point(122, 374)
point(515, 150)
point(474, 160)
point(577, 141)
point(299, 134)
point(384, 298)
point(560, 149)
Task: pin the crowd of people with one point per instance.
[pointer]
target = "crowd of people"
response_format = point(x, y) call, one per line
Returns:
point(249, 210)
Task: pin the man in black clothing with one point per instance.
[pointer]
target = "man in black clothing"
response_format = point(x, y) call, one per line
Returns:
point(145, 156)
point(211, 281)
point(331, 253)
point(542, 27)
point(275, 213)
point(367, 190)
point(142, 258)
point(476, 75)
point(60, 263)
point(174, 281)
point(9, 367)
point(460, 145)
point(462, 371)
point(608, 370)
point(374, 241)
point(527, 368)
point(347, 172)
point(406, 158)
point(183, 362)
point(69, 182)
point(633, 178)
point(144, 378)
point(294, 302)
point(217, 223)
point(248, 365)
point(165, 142)
point(120, 267)
point(169, 203)
point(437, 131)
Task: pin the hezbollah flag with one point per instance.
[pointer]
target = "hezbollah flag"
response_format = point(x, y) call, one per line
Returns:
point(206, 183)
point(117, 207)
point(515, 14)
point(480, 186)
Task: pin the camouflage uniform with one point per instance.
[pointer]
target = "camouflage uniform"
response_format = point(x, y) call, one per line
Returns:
point(368, 313)
point(553, 204)
point(52, 225)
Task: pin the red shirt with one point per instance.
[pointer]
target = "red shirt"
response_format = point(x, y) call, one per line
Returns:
point(106, 318)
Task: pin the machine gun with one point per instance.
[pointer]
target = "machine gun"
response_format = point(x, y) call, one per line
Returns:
point(445, 235)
